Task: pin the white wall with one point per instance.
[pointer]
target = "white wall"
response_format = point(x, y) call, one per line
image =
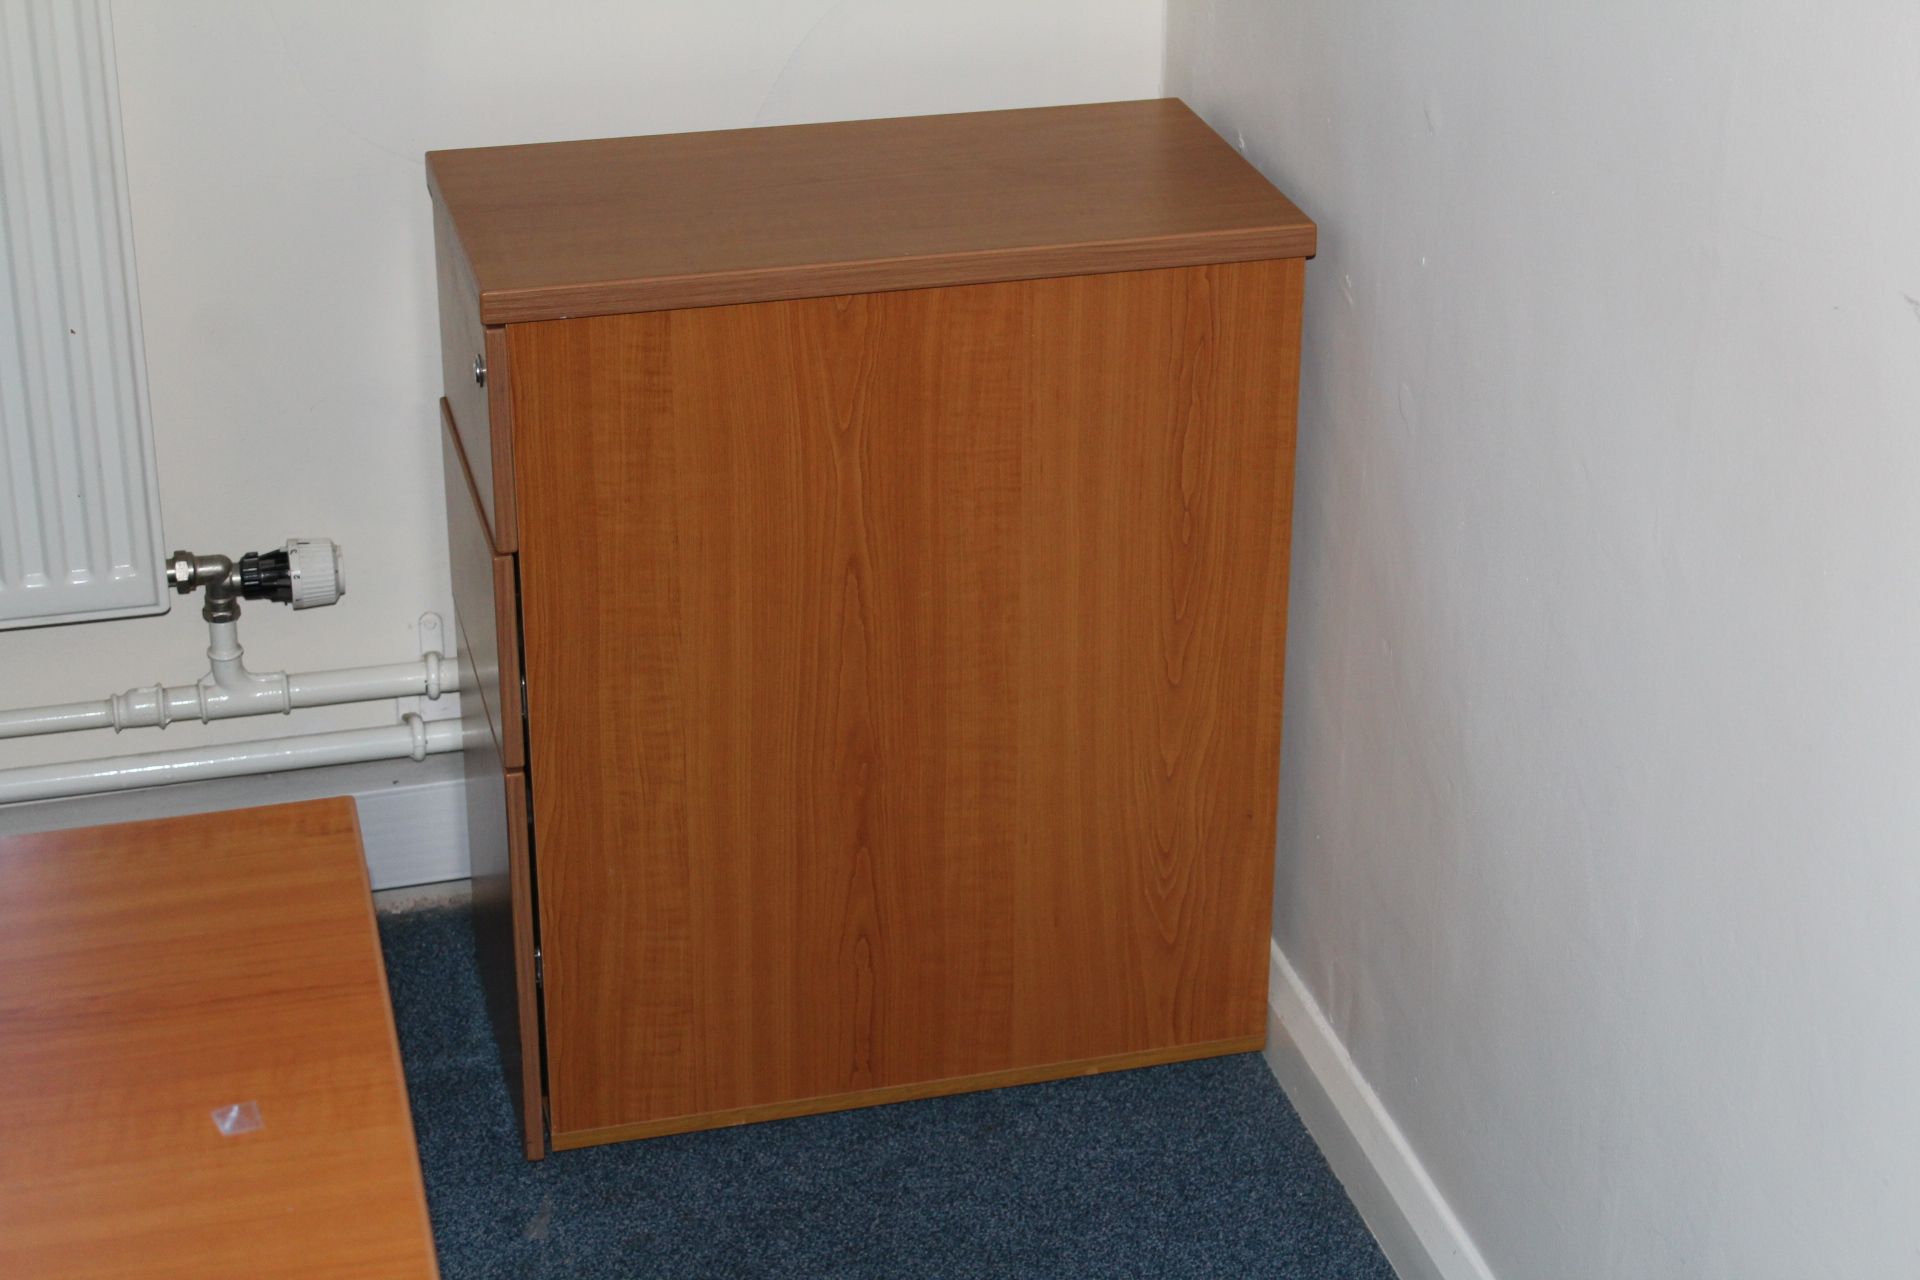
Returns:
point(286, 278)
point(1600, 845)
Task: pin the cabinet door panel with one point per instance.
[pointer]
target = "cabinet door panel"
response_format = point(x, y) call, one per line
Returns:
point(904, 678)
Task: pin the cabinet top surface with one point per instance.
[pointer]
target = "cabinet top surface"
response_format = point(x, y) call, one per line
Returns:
point(561, 229)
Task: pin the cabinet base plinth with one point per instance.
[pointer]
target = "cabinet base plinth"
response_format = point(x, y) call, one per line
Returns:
point(905, 1092)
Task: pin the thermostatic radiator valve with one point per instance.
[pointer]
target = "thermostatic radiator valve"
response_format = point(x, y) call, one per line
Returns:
point(304, 573)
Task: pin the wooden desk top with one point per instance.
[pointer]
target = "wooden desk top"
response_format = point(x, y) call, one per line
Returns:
point(153, 972)
point(749, 215)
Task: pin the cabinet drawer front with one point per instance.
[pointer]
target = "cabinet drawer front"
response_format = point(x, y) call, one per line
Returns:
point(485, 600)
point(503, 940)
point(473, 363)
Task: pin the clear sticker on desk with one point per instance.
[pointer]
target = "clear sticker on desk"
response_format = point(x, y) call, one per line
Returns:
point(241, 1117)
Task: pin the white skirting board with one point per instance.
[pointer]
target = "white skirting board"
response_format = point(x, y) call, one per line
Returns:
point(1415, 1226)
point(413, 815)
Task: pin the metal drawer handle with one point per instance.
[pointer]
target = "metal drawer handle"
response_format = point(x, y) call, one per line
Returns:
point(480, 371)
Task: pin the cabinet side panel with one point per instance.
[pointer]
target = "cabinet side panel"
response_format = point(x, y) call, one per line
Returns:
point(607, 650)
point(903, 682)
point(1157, 491)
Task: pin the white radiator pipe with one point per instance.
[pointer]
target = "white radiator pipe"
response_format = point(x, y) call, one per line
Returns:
point(412, 738)
point(229, 690)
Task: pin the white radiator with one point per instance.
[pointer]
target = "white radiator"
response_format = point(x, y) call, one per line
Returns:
point(79, 504)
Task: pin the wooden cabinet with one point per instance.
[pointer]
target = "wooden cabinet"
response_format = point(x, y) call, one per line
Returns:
point(890, 519)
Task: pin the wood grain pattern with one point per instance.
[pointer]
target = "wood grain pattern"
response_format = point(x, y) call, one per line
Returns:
point(483, 415)
point(154, 971)
point(486, 599)
point(700, 219)
point(924, 722)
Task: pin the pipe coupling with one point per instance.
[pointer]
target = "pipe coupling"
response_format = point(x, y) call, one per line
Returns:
point(417, 728)
point(141, 709)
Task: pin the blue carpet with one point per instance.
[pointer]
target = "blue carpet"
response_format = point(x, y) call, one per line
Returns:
point(1198, 1169)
